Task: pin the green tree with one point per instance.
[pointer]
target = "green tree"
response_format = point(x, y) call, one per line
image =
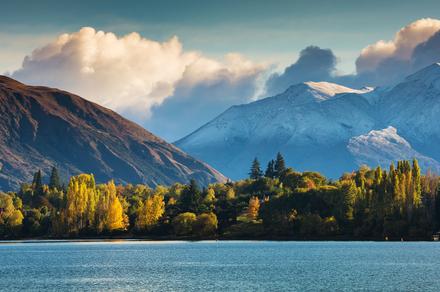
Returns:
point(54, 181)
point(270, 169)
point(37, 183)
point(280, 165)
point(190, 197)
point(417, 187)
point(255, 172)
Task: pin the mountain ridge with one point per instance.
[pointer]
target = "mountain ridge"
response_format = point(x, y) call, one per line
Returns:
point(321, 128)
point(43, 127)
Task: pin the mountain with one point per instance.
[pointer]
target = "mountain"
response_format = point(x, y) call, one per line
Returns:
point(413, 107)
point(313, 124)
point(42, 127)
point(381, 147)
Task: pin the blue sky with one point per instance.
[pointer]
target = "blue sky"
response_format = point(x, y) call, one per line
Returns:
point(267, 33)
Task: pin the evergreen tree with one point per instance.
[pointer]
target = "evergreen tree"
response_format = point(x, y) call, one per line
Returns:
point(54, 181)
point(280, 165)
point(255, 172)
point(37, 184)
point(191, 197)
point(270, 170)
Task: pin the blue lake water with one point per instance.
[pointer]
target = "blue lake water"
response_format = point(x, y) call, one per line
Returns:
point(220, 265)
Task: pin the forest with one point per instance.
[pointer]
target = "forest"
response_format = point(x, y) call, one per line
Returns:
point(398, 203)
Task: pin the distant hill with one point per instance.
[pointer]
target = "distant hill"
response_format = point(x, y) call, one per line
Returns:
point(327, 127)
point(42, 127)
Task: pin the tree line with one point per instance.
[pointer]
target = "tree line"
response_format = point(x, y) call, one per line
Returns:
point(395, 203)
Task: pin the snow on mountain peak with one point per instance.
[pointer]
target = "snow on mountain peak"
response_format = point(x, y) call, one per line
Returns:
point(317, 91)
point(381, 147)
point(331, 89)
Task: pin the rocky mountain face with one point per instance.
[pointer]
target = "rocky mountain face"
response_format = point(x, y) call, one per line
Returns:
point(42, 127)
point(327, 127)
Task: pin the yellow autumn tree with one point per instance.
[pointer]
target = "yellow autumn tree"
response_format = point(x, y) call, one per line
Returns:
point(81, 203)
point(109, 212)
point(210, 197)
point(149, 212)
point(253, 208)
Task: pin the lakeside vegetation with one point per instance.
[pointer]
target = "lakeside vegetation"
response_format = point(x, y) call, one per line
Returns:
point(280, 203)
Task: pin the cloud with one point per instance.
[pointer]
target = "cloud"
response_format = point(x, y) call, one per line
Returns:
point(413, 47)
point(193, 106)
point(130, 74)
point(386, 62)
point(313, 64)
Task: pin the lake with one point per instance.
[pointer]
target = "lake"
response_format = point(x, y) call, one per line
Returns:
point(220, 265)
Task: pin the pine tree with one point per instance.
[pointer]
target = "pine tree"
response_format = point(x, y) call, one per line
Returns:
point(255, 172)
point(280, 165)
point(37, 184)
point(54, 181)
point(191, 197)
point(270, 171)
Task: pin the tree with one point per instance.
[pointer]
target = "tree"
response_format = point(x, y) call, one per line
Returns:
point(150, 212)
point(37, 183)
point(253, 208)
point(54, 181)
point(255, 172)
point(109, 212)
point(210, 197)
point(81, 203)
point(183, 223)
point(205, 224)
point(270, 169)
point(230, 194)
point(15, 221)
point(115, 215)
point(190, 197)
point(280, 165)
point(348, 197)
point(417, 188)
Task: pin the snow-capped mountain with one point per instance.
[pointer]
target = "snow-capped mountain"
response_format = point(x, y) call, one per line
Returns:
point(381, 147)
point(326, 127)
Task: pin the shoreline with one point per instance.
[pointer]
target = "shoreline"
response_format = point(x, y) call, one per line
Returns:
point(193, 239)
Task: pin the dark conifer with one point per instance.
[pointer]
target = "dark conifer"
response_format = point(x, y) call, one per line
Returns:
point(37, 184)
point(54, 181)
point(280, 165)
point(270, 171)
point(255, 172)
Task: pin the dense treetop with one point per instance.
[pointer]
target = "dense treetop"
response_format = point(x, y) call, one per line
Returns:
point(399, 202)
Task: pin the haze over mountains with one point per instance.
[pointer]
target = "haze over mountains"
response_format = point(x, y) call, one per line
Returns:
point(327, 127)
point(43, 127)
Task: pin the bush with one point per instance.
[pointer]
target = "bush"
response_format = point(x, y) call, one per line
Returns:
point(206, 224)
point(183, 223)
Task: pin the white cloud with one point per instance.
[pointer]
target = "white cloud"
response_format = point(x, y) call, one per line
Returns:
point(129, 74)
point(400, 48)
